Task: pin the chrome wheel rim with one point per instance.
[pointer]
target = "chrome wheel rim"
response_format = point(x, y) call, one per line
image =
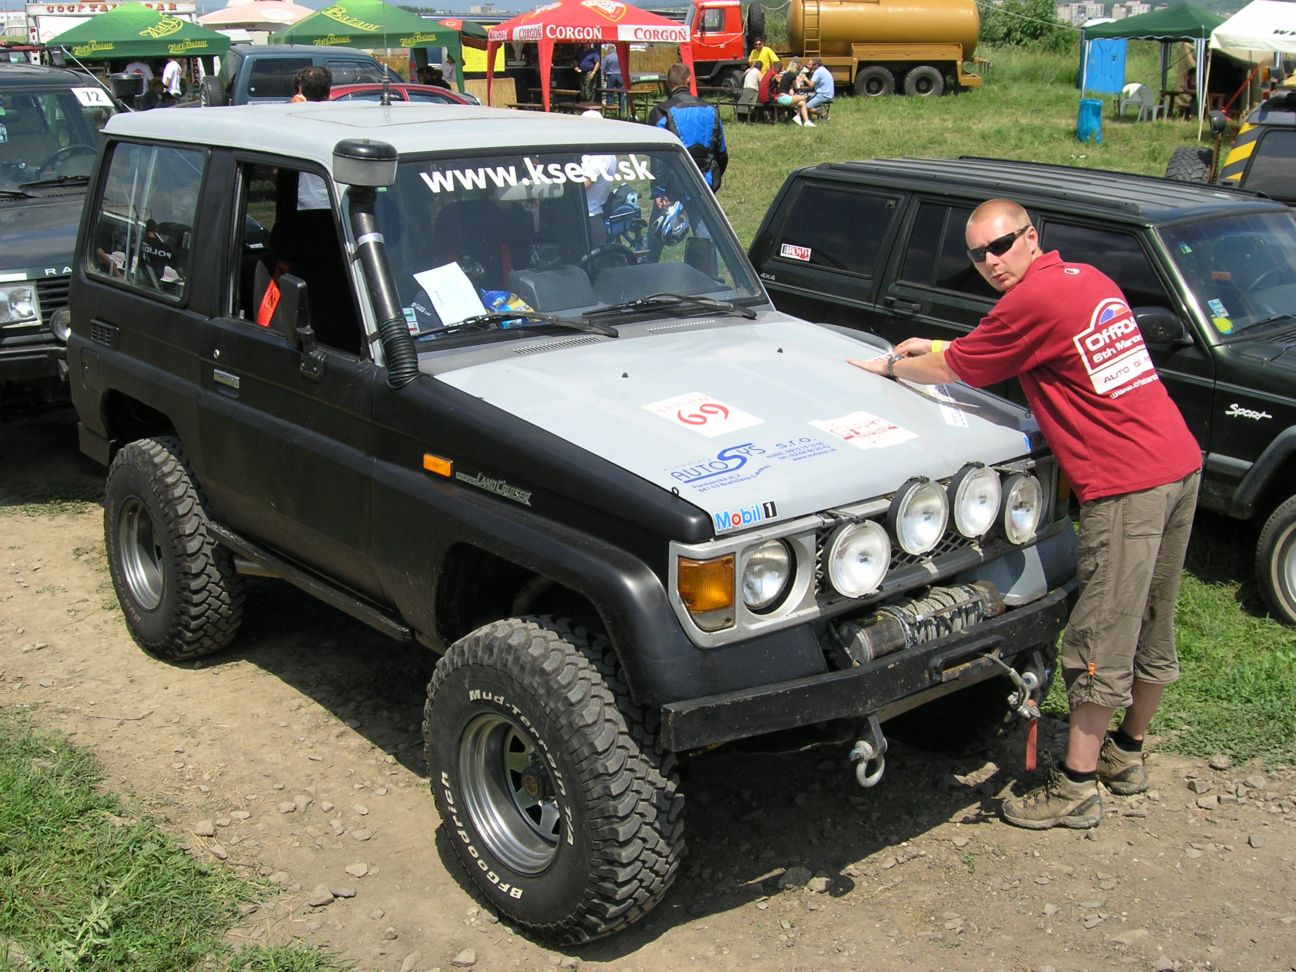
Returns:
point(510, 793)
point(141, 555)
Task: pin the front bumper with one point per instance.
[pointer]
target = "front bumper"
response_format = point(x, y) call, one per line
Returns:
point(930, 668)
point(32, 360)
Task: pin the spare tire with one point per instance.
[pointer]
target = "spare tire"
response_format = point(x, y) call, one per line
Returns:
point(755, 24)
point(874, 81)
point(924, 81)
point(211, 93)
point(1188, 163)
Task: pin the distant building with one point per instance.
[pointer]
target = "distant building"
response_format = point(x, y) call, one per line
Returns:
point(1132, 9)
point(1078, 13)
point(481, 9)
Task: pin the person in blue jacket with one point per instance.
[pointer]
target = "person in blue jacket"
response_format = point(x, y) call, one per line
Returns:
point(695, 123)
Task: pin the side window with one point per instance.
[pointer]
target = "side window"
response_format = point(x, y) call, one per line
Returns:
point(712, 20)
point(1115, 253)
point(1273, 167)
point(937, 252)
point(272, 77)
point(146, 216)
point(840, 229)
point(286, 225)
point(354, 72)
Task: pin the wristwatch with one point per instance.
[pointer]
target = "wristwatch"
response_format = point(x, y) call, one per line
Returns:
point(890, 365)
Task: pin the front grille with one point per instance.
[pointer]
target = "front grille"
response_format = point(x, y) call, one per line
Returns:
point(555, 344)
point(52, 292)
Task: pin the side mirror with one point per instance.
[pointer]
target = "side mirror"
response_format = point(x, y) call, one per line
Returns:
point(292, 316)
point(1162, 329)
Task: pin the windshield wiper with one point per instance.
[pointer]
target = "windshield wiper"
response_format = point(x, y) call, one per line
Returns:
point(496, 318)
point(12, 192)
point(683, 301)
point(63, 180)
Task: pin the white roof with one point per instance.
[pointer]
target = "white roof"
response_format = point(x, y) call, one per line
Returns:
point(1258, 30)
point(310, 130)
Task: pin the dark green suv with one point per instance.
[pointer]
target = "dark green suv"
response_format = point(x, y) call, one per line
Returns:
point(1209, 271)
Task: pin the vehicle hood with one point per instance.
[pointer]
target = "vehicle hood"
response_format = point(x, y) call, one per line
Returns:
point(750, 422)
point(38, 234)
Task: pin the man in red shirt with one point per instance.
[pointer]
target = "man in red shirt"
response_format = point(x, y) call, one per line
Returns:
point(1066, 331)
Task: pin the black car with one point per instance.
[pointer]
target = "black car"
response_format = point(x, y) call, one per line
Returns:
point(253, 74)
point(1209, 271)
point(49, 134)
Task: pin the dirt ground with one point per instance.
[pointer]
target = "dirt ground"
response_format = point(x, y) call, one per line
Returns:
point(297, 755)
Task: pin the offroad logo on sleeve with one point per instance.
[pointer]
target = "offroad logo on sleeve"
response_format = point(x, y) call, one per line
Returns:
point(1112, 350)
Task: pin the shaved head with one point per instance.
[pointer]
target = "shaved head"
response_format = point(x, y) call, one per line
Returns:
point(993, 208)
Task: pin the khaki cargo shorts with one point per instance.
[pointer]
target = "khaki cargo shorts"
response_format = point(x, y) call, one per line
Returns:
point(1131, 556)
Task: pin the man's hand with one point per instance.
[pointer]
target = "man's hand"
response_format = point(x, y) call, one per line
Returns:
point(874, 366)
point(912, 347)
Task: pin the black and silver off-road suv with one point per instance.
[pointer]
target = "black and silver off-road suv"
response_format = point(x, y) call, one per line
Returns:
point(387, 355)
point(1209, 271)
point(49, 134)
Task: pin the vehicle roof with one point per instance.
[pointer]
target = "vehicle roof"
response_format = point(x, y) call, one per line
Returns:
point(300, 50)
point(26, 75)
point(1118, 196)
point(338, 89)
point(310, 130)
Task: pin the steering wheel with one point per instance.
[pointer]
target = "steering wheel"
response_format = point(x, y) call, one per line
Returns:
point(1272, 277)
point(56, 160)
point(615, 254)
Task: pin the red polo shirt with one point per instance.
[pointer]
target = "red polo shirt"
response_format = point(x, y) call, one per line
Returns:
point(1067, 333)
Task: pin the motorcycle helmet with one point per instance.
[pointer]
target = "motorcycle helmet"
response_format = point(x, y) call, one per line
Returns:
point(670, 225)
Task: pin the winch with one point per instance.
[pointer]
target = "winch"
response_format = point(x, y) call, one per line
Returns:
point(943, 611)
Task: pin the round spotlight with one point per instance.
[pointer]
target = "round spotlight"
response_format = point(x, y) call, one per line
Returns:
point(919, 514)
point(975, 496)
point(857, 558)
point(1023, 507)
point(766, 575)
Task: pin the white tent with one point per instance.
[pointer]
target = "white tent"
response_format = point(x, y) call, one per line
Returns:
point(1258, 31)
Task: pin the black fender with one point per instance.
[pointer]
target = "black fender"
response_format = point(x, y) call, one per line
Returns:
point(1262, 472)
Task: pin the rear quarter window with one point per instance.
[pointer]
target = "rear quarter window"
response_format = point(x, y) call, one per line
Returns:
point(144, 217)
point(835, 228)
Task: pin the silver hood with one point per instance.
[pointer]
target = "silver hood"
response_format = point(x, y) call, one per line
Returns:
point(751, 422)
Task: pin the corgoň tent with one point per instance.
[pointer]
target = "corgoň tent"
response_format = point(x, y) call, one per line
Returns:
point(1171, 25)
point(588, 22)
point(134, 30)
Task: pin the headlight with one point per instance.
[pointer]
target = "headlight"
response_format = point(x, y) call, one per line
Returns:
point(975, 495)
point(766, 576)
point(919, 514)
point(1022, 508)
point(60, 324)
point(18, 305)
point(857, 558)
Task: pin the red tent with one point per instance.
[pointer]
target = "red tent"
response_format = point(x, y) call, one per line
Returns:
point(587, 22)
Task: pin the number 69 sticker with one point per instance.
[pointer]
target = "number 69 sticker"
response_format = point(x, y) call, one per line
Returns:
point(703, 414)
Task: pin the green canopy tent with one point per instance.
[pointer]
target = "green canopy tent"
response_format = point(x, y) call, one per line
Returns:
point(373, 24)
point(134, 30)
point(1182, 23)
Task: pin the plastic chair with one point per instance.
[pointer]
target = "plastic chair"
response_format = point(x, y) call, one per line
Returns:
point(1139, 96)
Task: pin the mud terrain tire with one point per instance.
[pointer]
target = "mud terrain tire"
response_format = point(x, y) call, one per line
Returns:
point(179, 591)
point(1276, 562)
point(1188, 163)
point(554, 794)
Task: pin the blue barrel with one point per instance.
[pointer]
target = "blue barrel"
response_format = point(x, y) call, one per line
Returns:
point(1089, 120)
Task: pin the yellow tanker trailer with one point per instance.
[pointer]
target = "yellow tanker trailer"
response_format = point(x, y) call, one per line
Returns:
point(879, 46)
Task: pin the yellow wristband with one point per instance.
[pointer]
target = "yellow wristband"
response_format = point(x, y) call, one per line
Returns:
point(937, 345)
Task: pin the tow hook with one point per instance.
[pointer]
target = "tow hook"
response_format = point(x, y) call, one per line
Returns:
point(869, 755)
point(1023, 701)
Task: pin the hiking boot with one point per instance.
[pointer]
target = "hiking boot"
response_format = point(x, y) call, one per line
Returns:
point(1121, 772)
point(1057, 803)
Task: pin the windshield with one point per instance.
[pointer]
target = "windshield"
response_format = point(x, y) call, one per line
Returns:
point(50, 133)
point(557, 232)
point(1242, 268)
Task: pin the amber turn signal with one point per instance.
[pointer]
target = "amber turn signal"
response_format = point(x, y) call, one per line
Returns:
point(436, 464)
point(706, 587)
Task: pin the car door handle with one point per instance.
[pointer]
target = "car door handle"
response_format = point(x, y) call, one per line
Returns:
point(226, 378)
point(900, 304)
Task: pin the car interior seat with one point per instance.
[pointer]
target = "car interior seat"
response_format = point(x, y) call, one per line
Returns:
point(27, 136)
point(491, 239)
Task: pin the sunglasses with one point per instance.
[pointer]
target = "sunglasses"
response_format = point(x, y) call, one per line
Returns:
point(998, 247)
